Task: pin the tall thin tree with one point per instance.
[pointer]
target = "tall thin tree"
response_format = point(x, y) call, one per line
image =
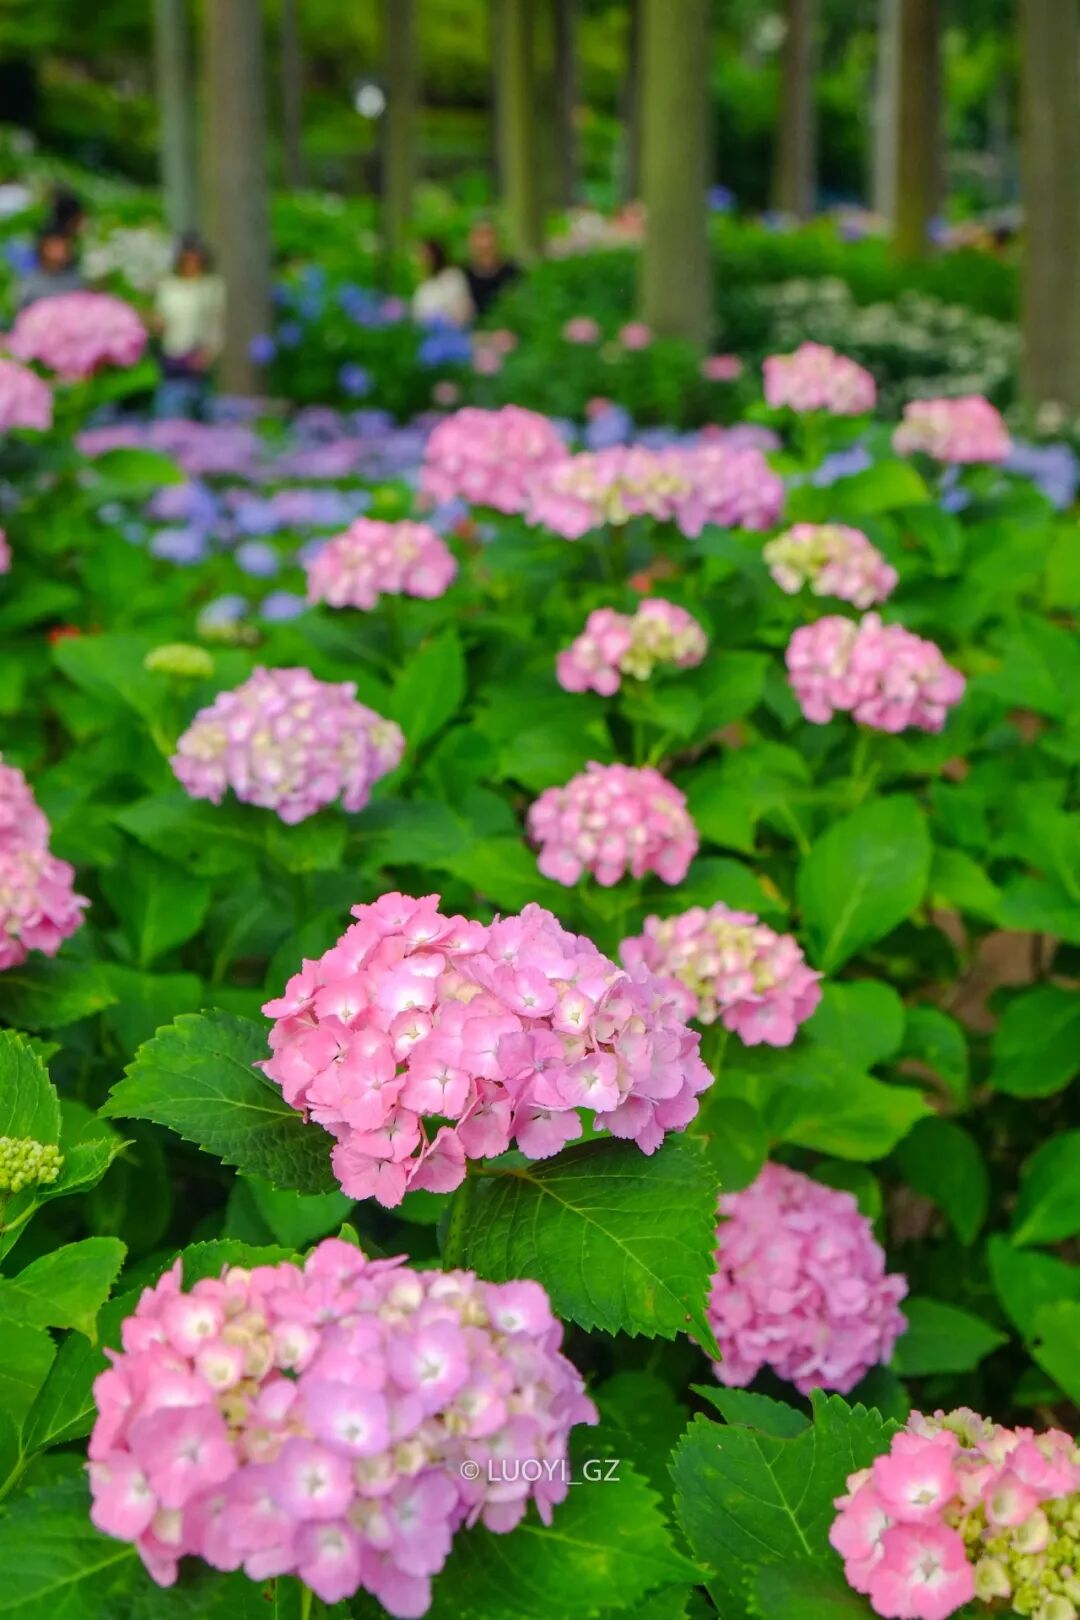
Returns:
point(884, 117)
point(400, 70)
point(796, 154)
point(630, 107)
point(515, 108)
point(565, 19)
point(176, 104)
point(918, 126)
point(674, 291)
point(1050, 163)
point(292, 95)
point(236, 178)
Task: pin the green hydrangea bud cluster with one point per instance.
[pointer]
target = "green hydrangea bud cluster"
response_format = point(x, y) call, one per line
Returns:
point(26, 1163)
point(1035, 1565)
point(180, 659)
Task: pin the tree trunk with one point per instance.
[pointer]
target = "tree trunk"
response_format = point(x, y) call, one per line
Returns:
point(515, 105)
point(566, 99)
point(400, 79)
point(292, 95)
point(796, 155)
point(886, 96)
point(176, 104)
point(918, 126)
point(674, 290)
point(1050, 163)
point(630, 189)
point(239, 211)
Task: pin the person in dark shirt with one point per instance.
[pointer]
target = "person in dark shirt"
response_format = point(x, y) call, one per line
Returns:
point(487, 271)
point(56, 269)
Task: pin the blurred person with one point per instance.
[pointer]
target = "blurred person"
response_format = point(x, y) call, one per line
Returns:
point(488, 270)
point(66, 213)
point(443, 296)
point(189, 317)
point(56, 268)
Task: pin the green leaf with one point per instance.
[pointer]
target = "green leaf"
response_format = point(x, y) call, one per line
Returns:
point(862, 1018)
point(1048, 1206)
point(749, 1411)
point(862, 877)
point(1037, 1043)
point(1056, 1345)
point(64, 1408)
point(959, 882)
point(430, 689)
point(943, 1162)
point(297, 1220)
point(719, 878)
point(66, 1288)
point(936, 1041)
point(197, 1077)
point(145, 1001)
point(883, 487)
point(159, 905)
point(316, 844)
point(504, 871)
point(735, 1138)
point(942, 1338)
point(1025, 1280)
point(621, 1241)
point(731, 684)
point(782, 1592)
point(136, 472)
point(24, 1366)
point(56, 1565)
point(52, 992)
point(815, 1097)
point(209, 839)
point(1040, 906)
point(644, 1420)
point(29, 1105)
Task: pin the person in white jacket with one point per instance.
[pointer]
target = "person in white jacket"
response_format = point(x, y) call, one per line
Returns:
point(189, 314)
point(443, 297)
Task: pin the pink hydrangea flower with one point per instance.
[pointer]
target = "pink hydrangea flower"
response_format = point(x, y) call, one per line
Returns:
point(817, 378)
point(800, 1286)
point(25, 399)
point(881, 674)
point(76, 333)
point(616, 644)
point(420, 1041)
point(729, 965)
point(953, 430)
point(834, 560)
point(5, 553)
point(610, 820)
point(489, 457)
point(373, 559)
point(287, 742)
point(961, 1508)
point(446, 392)
point(315, 1421)
point(635, 335)
point(581, 329)
point(38, 906)
point(722, 368)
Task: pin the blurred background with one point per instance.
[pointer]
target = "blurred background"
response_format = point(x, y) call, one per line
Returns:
point(901, 177)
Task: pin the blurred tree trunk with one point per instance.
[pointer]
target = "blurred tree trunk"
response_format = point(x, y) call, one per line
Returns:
point(674, 291)
point(292, 95)
point(918, 132)
point(515, 108)
point(796, 150)
point(176, 108)
point(630, 188)
point(236, 178)
point(886, 95)
point(400, 81)
point(565, 18)
point(1050, 162)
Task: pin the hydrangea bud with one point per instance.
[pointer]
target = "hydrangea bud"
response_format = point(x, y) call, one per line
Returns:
point(26, 1163)
point(180, 659)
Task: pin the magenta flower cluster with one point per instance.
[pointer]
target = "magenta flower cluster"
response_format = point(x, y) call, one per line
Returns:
point(957, 431)
point(25, 399)
point(489, 457)
point(817, 378)
point(581, 329)
point(420, 1041)
point(728, 965)
point(834, 560)
point(883, 675)
point(610, 820)
point(77, 333)
point(708, 483)
point(38, 906)
point(287, 742)
point(315, 1421)
point(5, 553)
point(961, 1508)
point(615, 644)
point(800, 1286)
point(373, 559)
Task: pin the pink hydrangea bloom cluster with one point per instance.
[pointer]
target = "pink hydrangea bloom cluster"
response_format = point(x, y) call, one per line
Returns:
point(38, 907)
point(817, 378)
point(800, 1286)
point(721, 368)
point(314, 1421)
point(76, 333)
point(834, 560)
point(287, 742)
point(489, 457)
point(615, 644)
point(883, 675)
point(610, 820)
point(708, 483)
point(581, 329)
point(420, 1041)
point(961, 1508)
point(5, 553)
point(25, 399)
point(373, 559)
point(635, 335)
point(953, 430)
point(729, 965)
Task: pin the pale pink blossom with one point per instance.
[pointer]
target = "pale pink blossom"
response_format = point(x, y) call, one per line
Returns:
point(372, 559)
point(5, 553)
point(77, 333)
point(968, 429)
point(489, 457)
point(581, 329)
point(834, 560)
point(38, 906)
point(722, 368)
point(635, 335)
point(615, 644)
point(817, 378)
point(883, 675)
point(25, 399)
point(610, 820)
